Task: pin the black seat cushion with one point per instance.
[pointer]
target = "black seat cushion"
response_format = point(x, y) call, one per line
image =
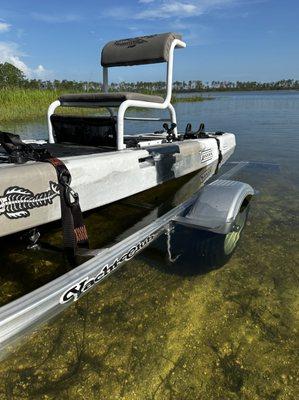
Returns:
point(112, 99)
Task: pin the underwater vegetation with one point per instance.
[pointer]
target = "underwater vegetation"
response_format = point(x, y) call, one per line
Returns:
point(154, 331)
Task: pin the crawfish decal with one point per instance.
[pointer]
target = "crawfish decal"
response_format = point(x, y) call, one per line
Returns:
point(17, 201)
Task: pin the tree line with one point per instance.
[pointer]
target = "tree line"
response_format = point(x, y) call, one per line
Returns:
point(12, 77)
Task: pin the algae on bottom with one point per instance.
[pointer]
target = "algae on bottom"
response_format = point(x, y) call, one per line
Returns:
point(150, 333)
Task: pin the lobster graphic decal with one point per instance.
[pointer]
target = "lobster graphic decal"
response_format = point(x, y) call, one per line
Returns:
point(17, 201)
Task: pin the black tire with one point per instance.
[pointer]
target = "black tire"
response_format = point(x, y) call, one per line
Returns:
point(196, 251)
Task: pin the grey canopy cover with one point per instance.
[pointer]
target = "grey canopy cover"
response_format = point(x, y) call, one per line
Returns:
point(140, 50)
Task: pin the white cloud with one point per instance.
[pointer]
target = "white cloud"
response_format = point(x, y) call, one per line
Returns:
point(10, 52)
point(40, 72)
point(166, 9)
point(118, 12)
point(4, 26)
point(56, 19)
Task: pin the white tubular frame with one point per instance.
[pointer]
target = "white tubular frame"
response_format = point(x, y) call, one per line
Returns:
point(147, 104)
point(133, 103)
point(51, 110)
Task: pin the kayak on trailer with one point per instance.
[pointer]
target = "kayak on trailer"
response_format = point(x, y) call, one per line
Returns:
point(103, 163)
point(29, 194)
point(89, 161)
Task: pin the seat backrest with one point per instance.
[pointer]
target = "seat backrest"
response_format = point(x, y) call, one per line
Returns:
point(140, 50)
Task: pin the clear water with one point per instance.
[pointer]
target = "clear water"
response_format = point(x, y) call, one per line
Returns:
point(183, 330)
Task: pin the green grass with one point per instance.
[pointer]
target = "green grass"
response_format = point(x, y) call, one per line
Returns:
point(21, 104)
point(28, 104)
point(191, 99)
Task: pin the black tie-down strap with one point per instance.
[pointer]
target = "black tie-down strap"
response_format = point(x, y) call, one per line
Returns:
point(73, 227)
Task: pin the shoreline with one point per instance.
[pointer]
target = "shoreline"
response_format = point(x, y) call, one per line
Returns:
point(21, 105)
point(26, 105)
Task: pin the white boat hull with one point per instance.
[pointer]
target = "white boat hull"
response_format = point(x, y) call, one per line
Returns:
point(104, 178)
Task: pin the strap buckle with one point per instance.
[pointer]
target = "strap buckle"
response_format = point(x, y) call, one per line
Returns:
point(71, 197)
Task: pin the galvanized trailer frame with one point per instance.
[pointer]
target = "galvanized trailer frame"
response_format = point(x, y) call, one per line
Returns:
point(22, 315)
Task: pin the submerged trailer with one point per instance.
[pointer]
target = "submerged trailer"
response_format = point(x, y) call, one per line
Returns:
point(214, 207)
point(89, 162)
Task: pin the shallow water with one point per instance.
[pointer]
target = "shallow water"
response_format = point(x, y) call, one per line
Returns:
point(162, 330)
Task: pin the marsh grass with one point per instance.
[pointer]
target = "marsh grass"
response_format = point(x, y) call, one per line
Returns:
point(190, 99)
point(22, 104)
point(27, 104)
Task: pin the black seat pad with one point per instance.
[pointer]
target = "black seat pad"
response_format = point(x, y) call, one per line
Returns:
point(115, 98)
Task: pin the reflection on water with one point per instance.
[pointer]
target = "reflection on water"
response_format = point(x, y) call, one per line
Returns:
point(166, 330)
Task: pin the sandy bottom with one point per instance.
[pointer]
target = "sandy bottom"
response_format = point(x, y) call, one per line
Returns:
point(157, 330)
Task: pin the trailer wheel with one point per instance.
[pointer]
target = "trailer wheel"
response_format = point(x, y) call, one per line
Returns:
point(232, 238)
point(202, 251)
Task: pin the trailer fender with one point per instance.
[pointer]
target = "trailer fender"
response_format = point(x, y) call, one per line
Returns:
point(217, 206)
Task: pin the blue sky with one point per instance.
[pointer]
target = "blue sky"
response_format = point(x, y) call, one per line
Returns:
point(227, 39)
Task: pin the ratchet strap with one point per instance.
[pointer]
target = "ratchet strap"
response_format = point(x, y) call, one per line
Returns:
point(73, 227)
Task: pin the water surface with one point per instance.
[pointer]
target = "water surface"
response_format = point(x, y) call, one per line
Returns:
point(163, 330)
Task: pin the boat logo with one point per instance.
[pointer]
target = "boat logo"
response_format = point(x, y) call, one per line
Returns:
point(206, 155)
point(132, 42)
point(86, 283)
point(17, 201)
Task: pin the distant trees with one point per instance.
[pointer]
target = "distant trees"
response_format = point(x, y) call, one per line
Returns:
point(11, 76)
point(284, 84)
point(198, 86)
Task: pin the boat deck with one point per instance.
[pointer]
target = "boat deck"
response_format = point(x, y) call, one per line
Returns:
point(72, 150)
